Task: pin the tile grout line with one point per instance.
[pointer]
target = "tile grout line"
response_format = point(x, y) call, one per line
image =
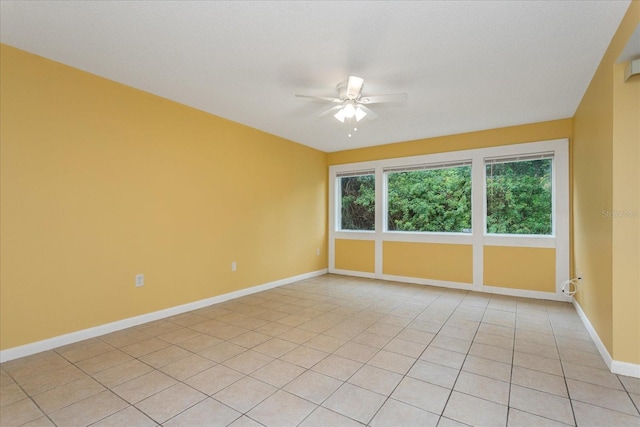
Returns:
point(564, 377)
point(411, 367)
point(513, 356)
point(278, 388)
point(418, 358)
point(28, 396)
point(347, 380)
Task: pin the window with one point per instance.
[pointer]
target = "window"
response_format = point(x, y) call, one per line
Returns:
point(519, 195)
point(435, 198)
point(409, 214)
point(358, 201)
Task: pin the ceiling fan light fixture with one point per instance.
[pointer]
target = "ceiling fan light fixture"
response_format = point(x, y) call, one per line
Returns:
point(349, 110)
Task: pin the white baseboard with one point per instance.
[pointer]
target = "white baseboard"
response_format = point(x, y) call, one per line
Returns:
point(70, 338)
point(615, 366)
point(593, 334)
point(457, 285)
point(352, 273)
point(523, 293)
point(625, 368)
point(428, 282)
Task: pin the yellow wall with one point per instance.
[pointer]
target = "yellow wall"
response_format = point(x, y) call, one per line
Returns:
point(592, 193)
point(626, 223)
point(452, 263)
point(544, 131)
point(605, 168)
point(532, 269)
point(355, 255)
point(100, 182)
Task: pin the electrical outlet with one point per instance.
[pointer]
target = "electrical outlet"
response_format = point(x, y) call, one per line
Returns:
point(139, 280)
point(234, 266)
point(318, 252)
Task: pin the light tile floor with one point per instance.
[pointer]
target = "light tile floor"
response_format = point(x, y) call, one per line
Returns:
point(331, 351)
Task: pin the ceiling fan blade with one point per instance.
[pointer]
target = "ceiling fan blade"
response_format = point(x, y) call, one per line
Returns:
point(376, 99)
point(354, 86)
point(329, 111)
point(370, 114)
point(320, 98)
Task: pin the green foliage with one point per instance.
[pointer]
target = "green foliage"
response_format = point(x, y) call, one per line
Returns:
point(430, 200)
point(358, 202)
point(519, 197)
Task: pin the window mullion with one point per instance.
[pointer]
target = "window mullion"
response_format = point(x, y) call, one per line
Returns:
point(380, 200)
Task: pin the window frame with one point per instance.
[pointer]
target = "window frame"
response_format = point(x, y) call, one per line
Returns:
point(478, 238)
point(423, 167)
point(338, 199)
point(521, 157)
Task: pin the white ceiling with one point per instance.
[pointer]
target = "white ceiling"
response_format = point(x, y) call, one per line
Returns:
point(465, 66)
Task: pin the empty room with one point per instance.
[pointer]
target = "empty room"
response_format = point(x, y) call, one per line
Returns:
point(319, 213)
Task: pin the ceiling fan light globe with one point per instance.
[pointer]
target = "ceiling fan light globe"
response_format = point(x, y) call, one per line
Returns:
point(340, 115)
point(349, 110)
point(360, 114)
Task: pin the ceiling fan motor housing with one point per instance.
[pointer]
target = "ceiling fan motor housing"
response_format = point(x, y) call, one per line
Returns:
point(342, 90)
point(351, 88)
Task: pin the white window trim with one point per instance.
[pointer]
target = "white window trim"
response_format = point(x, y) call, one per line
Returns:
point(509, 159)
point(338, 203)
point(478, 238)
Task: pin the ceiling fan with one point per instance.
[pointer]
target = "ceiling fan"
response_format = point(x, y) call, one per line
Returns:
point(351, 103)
